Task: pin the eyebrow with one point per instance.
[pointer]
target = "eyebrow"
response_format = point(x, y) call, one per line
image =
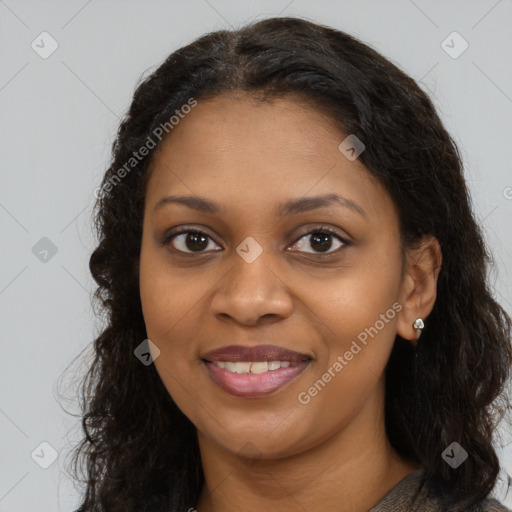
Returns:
point(291, 207)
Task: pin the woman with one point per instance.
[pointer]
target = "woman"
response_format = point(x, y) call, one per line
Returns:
point(283, 217)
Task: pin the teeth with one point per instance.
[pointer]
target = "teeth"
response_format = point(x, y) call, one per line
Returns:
point(230, 366)
point(252, 367)
point(259, 367)
point(242, 367)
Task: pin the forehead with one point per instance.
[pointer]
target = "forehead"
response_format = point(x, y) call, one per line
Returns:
point(252, 154)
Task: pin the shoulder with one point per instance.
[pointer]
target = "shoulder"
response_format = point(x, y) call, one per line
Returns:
point(489, 505)
point(412, 494)
point(442, 503)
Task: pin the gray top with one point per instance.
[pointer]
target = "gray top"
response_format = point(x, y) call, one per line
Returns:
point(410, 495)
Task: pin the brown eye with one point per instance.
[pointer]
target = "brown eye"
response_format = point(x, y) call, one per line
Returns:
point(192, 241)
point(321, 241)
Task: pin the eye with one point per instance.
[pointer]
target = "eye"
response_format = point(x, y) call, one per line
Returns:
point(189, 241)
point(321, 241)
point(196, 241)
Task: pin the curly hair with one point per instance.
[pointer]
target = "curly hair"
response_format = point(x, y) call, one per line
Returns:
point(139, 451)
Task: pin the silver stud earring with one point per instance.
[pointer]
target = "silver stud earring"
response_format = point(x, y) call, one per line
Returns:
point(418, 326)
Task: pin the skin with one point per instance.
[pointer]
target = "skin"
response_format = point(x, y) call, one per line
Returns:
point(261, 453)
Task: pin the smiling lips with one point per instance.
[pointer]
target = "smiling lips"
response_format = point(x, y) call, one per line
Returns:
point(253, 372)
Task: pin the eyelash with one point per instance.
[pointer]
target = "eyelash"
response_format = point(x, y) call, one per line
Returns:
point(326, 230)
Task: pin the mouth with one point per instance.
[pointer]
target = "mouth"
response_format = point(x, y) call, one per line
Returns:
point(253, 372)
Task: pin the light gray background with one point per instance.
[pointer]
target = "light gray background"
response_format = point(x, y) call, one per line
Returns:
point(59, 117)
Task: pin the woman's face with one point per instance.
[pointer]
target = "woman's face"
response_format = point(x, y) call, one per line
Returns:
point(265, 274)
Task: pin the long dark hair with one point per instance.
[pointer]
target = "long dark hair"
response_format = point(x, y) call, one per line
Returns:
point(139, 451)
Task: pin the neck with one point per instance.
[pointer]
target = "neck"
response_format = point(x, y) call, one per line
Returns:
point(351, 470)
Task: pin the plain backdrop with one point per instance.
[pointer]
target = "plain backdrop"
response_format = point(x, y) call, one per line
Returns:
point(68, 72)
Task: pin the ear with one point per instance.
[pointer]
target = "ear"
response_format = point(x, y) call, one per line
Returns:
point(418, 290)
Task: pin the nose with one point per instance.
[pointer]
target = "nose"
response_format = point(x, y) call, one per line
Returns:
point(252, 293)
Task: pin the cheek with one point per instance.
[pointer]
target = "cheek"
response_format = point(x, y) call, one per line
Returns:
point(167, 301)
point(168, 307)
point(175, 308)
point(156, 294)
point(356, 299)
point(167, 294)
point(358, 325)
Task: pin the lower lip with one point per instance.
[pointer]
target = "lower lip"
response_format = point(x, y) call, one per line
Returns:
point(254, 385)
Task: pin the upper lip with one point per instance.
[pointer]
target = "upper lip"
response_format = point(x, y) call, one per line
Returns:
point(258, 353)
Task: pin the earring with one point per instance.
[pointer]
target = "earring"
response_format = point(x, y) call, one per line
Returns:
point(418, 326)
